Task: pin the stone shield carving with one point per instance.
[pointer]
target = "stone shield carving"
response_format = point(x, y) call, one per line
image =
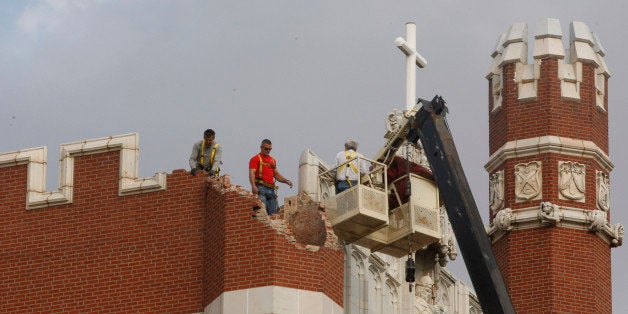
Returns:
point(528, 181)
point(571, 179)
point(496, 191)
point(603, 191)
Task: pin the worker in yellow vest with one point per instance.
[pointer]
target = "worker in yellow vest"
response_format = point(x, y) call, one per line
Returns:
point(262, 175)
point(347, 173)
point(206, 154)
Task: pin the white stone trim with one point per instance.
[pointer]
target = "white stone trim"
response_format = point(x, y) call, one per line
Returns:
point(569, 217)
point(272, 299)
point(515, 44)
point(36, 159)
point(527, 77)
point(570, 76)
point(548, 144)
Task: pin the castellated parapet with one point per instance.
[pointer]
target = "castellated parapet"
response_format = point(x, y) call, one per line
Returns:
point(512, 48)
point(36, 161)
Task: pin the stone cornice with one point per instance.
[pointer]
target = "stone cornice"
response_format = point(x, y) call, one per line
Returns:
point(594, 221)
point(36, 159)
point(548, 144)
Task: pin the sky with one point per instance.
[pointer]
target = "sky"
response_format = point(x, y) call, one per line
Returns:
point(305, 74)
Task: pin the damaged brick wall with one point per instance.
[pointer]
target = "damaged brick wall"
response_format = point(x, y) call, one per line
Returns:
point(262, 250)
point(171, 251)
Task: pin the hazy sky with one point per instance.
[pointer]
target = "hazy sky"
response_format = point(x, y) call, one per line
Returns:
point(306, 74)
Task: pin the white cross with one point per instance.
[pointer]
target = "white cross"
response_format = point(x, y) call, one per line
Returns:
point(412, 57)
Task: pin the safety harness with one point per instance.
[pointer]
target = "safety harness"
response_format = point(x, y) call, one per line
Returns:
point(342, 168)
point(211, 157)
point(259, 178)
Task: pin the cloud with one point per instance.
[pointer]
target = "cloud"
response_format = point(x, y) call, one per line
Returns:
point(48, 15)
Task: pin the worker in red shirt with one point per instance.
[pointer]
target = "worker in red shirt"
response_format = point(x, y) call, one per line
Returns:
point(262, 174)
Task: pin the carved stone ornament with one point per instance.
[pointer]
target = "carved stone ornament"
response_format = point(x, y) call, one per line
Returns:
point(394, 121)
point(447, 241)
point(528, 181)
point(571, 177)
point(496, 191)
point(415, 154)
point(597, 218)
point(424, 288)
point(549, 212)
point(503, 219)
point(618, 235)
point(603, 191)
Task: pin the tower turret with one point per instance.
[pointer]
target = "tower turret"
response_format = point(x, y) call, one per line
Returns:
point(549, 169)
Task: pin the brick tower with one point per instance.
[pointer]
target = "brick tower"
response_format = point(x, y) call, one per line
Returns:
point(549, 170)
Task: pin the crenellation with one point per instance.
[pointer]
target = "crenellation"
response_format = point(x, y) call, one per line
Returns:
point(597, 45)
point(570, 76)
point(497, 56)
point(36, 159)
point(584, 48)
point(527, 77)
point(495, 73)
point(548, 39)
point(515, 44)
point(580, 32)
point(601, 74)
point(548, 28)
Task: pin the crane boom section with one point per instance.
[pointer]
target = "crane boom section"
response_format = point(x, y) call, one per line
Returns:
point(431, 128)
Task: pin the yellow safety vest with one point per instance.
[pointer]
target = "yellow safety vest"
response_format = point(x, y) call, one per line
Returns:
point(211, 157)
point(342, 168)
point(259, 178)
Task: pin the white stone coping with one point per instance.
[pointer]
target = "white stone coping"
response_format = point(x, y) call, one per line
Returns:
point(273, 299)
point(548, 27)
point(548, 144)
point(36, 159)
point(569, 217)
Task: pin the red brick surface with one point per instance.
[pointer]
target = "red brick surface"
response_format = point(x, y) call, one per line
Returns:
point(103, 252)
point(556, 270)
point(172, 251)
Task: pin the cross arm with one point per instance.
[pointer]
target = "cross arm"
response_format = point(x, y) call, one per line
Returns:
point(403, 46)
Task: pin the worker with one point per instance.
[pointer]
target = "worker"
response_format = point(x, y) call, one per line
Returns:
point(262, 175)
point(206, 155)
point(347, 173)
